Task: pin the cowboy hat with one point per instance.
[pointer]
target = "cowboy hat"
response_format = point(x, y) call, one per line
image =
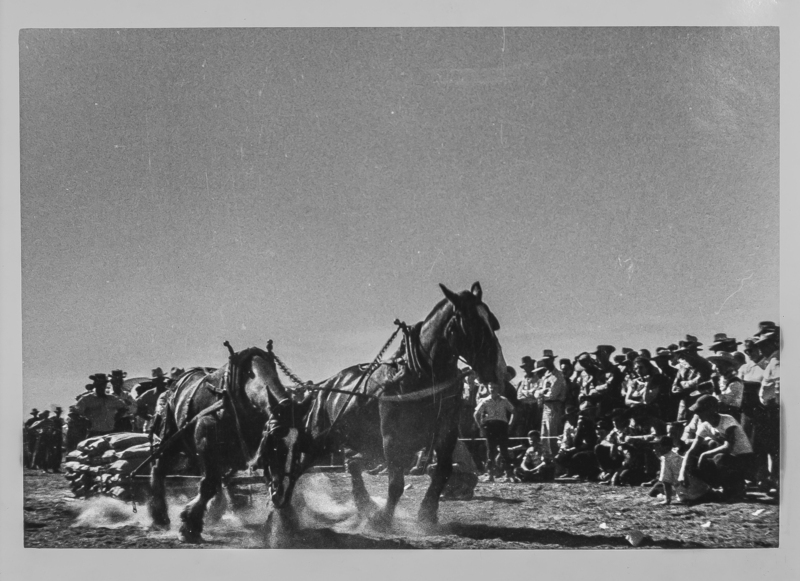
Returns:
point(723, 357)
point(119, 373)
point(157, 372)
point(705, 403)
point(175, 372)
point(765, 327)
point(540, 365)
point(548, 354)
point(99, 377)
point(722, 340)
point(527, 362)
point(620, 359)
point(663, 352)
point(607, 349)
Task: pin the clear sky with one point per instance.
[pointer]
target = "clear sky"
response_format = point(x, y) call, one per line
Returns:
point(183, 187)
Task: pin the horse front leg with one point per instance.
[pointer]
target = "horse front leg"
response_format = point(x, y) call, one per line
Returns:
point(210, 483)
point(364, 504)
point(429, 509)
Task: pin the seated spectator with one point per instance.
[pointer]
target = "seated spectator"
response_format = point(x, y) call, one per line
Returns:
point(537, 463)
point(694, 491)
point(720, 453)
point(575, 458)
point(609, 452)
point(729, 388)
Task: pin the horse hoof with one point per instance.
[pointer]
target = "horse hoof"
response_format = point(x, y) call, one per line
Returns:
point(380, 521)
point(191, 537)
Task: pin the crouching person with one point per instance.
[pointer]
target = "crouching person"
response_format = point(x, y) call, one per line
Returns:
point(537, 463)
point(720, 453)
point(464, 478)
point(692, 490)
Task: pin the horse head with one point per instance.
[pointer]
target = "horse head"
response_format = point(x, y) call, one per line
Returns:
point(282, 449)
point(282, 440)
point(471, 334)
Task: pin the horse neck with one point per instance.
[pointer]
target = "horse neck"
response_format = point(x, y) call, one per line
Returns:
point(433, 341)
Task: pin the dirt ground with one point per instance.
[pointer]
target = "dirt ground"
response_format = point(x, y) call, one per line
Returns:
point(501, 516)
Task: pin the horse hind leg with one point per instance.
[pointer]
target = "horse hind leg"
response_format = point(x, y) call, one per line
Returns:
point(157, 503)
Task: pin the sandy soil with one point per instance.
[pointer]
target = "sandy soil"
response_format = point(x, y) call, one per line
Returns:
point(501, 516)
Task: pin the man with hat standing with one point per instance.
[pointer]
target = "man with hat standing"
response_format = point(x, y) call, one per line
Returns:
point(724, 344)
point(124, 421)
point(552, 391)
point(146, 402)
point(693, 378)
point(768, 342)
point(100, 407)
point(29, 439)
point(528, 408)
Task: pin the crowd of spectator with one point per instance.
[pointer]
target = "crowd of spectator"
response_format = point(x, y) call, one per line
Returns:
point(696, 426)
point(108, 405)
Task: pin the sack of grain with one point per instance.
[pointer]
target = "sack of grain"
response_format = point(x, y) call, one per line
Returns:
point(121, 467)
point(141, 451)
point(74, 455)
point(125, 440)
point(72, 466)
point(108, 457)
point(94, 446)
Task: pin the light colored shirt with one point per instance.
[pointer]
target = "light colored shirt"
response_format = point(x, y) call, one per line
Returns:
point(751, 371)
point(100, 411)
point(741, 445)
point(671, 463)
point(526, 388)
point(771, 383)
point(535, 455)
point(731, 392)
point(489, 409)
point(553, 386)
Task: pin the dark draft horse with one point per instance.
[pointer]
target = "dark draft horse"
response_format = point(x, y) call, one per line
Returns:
point(221, 421)
point(409, 402)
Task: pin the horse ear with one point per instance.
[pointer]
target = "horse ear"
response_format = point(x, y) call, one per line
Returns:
point(451, 296)
point(477, 291)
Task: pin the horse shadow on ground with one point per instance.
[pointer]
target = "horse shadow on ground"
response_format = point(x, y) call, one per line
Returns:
point(559, 539)
point(498, 499)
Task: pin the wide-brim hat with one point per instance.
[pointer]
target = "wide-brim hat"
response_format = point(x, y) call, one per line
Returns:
point(157, 372)
point(663, 352)
point(583, 357)
point(99, 377)
point(119, 373)
point(548, 354)
point(176, 372)
point(608, 349)
point(765, 327)
point(626, 350)
point(724, 358)
point(540, 365)
point(645, 353)
point(34, 411)
point(767, 336)
point(722, 340)
point(527, 362)
point(620, 359)
point(705, 403)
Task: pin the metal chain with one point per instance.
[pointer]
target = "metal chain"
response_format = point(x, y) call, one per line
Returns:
point(289, 373)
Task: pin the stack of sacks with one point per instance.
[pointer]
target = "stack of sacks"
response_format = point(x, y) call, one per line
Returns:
point(100, 465)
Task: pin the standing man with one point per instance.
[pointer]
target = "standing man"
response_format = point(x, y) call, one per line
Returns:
point(493, 414)
point(100, 407)
point(124, 421)
point(527, 411)
point(553, 393)
point(29, 439)
point(146, 402)
point(768, 342)
point(693, 378)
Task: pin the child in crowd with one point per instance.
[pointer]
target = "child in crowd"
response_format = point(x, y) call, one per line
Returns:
point(537, 463)
point(693, 490)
